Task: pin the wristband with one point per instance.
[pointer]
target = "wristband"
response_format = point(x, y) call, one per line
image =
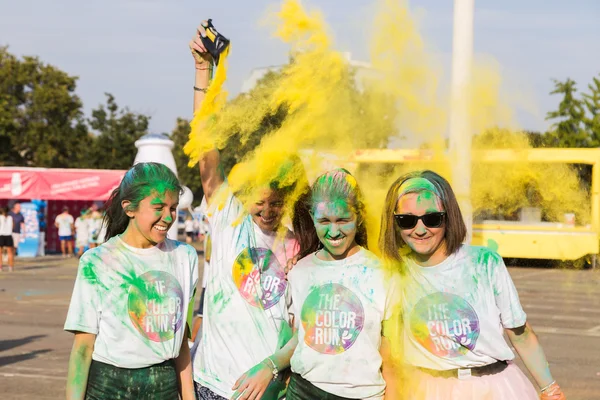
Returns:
point(547, 387)
point(275, 371)
point(197, 89)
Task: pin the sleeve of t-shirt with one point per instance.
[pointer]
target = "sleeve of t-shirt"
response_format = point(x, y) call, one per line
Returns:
point(224, 209)
point(84, 310)
point(193, 284)
point(507, 298)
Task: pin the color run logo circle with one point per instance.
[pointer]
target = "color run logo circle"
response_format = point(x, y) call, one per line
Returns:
point(332, 317)
point(155, 305)
point(259, 277)
point(445, 324)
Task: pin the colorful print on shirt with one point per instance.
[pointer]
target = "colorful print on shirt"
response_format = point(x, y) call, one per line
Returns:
point(155, 305)
point(135, 301)
point(333, 317)
point(445, 324)
point(259, 277)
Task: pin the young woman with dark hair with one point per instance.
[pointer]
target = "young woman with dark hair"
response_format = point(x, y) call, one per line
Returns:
point(340, 298)
point(130, 309)
point(458, 301)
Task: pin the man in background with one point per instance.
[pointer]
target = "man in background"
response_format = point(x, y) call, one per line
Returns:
point(18, 225)
point(64, 222)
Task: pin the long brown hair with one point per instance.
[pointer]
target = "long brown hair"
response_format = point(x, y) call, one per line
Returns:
point(332, 185)
point(390, 239)
point(139, 182)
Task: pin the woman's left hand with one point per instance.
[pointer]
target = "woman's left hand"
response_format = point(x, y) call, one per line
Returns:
point(554, 392)
point(253, 383)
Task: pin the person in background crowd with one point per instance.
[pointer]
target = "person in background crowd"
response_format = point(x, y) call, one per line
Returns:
point(18, 225)
point(190, 229)
point(82, 228)
point(96, 229)
point(64, 224)
point(42, 228)
point(6, 239)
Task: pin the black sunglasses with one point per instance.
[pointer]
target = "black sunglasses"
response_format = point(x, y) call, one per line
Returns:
point(409, 221)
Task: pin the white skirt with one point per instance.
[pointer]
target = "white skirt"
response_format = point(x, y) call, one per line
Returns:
point(510, 384)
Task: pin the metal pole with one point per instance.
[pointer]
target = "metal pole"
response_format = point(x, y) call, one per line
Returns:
point(460, 129)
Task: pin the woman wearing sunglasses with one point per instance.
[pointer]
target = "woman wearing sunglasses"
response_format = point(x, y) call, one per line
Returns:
point(458, 300)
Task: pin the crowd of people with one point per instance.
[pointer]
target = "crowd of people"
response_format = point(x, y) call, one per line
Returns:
point(82, 233)
point(303, 312)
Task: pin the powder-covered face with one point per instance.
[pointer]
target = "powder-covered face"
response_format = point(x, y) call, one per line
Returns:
point(268, 210)
point(427, 243)
point(153, 218)
point(336, 224)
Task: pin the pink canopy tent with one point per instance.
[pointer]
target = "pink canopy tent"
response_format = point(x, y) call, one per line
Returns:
point(76, 189)
point(58, 183)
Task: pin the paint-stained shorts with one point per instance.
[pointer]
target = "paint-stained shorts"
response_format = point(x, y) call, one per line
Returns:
point(107, 382)
point(301, 389)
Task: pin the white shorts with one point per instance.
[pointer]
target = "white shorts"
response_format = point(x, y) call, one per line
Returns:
point(16, 239)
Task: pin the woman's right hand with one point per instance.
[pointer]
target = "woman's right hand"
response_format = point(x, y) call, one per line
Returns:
point(202, 57)
point(290, 265)
point(554, 392)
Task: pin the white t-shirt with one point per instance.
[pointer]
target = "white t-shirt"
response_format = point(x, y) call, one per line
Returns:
point(339, 308)
point(135, 300)
point(244, 304)
point(455, 312)
point(82, 229)
point(64, 222)
point(6, 225)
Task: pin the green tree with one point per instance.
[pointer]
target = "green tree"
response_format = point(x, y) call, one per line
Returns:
point(569, 130)
point(118, 129)
point(41, 118)
point(592, 104)
point(536, 139)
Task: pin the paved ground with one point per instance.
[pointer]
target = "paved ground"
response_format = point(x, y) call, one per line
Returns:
point(563, 306)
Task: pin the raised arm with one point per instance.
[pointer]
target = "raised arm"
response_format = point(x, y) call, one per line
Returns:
point(211, 173)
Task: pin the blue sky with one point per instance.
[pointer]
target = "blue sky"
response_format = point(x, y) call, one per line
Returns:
point(137, 49)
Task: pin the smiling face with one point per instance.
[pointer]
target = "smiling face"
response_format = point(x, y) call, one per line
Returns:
point(268, 210)
point(151, 221)
point(336, 224)
point(427, 244)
